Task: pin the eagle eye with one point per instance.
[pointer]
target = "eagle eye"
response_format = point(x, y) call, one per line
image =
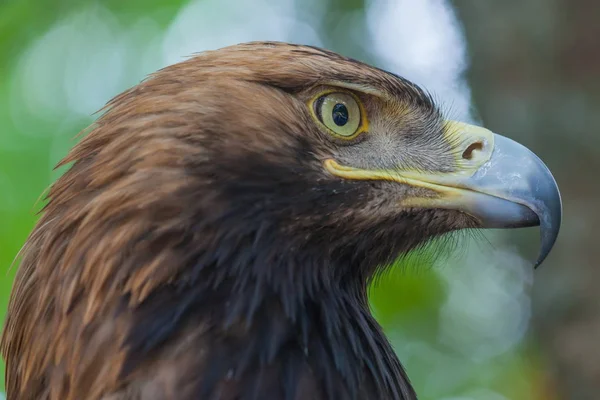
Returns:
point(341, 113)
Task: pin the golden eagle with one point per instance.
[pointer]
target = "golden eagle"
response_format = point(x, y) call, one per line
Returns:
point(218, 226)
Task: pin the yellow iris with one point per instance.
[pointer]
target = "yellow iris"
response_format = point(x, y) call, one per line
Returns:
point(341, 114)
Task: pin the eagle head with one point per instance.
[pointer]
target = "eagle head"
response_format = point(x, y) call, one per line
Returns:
point(218, 226)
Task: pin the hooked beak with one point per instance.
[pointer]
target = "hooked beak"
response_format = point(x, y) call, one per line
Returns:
point(497, 180)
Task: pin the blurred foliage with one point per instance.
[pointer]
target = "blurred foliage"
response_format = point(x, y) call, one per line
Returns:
point(409, 301)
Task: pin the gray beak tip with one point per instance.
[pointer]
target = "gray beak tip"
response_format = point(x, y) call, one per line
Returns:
point(524, 193)
point(550, 218)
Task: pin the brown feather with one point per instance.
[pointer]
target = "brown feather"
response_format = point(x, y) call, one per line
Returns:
point(144, 202)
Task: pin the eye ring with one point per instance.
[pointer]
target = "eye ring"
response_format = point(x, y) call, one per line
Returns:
point(340, 112)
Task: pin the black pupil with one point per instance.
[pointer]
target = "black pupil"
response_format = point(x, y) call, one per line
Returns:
point(340, 114)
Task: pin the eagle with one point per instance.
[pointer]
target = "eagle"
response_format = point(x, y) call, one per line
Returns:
point(218, 225)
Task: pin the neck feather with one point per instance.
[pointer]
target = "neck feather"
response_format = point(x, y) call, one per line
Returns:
point(284, 331)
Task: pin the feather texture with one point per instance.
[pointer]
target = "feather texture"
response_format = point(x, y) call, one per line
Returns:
point(196, 247)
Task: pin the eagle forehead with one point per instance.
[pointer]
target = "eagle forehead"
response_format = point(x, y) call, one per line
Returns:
point(295, 67)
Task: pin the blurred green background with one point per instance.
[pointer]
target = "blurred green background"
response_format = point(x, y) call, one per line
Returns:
point(479, 325)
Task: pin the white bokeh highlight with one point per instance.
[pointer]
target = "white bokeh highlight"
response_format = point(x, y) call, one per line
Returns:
point(76, 66)
point(212, 24)
point(423, 41)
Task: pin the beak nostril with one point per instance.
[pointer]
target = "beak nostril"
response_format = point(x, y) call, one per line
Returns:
point(468, 153)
